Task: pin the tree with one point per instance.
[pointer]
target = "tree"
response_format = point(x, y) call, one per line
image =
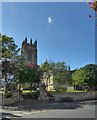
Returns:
point(93, 6)
point(9, 57)
point(86, 76)
point(28, 75)
point(91, 75)
point(61, 72)
point(79, 77)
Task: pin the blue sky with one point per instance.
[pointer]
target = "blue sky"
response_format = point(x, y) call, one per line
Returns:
point(63, 30)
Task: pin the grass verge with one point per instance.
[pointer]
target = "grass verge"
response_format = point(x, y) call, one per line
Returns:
point(28, 91)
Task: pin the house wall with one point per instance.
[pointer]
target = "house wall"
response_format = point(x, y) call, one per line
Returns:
point(48, 81)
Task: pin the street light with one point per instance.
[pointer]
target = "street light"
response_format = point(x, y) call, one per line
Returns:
point(2, 88)
point(37, 89)
point(38, 93)
point(21, 97)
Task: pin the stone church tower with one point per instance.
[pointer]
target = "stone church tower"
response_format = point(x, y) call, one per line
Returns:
point(29, 52)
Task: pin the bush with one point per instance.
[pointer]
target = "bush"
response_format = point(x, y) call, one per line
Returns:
point(63, 89)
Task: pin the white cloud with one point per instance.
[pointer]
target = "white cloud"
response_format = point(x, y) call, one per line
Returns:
point(50, 20)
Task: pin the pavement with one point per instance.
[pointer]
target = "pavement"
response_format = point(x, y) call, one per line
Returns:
point(27, 108)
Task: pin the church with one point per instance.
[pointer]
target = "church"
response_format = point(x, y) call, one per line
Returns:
point(29, 57)
point(29, 52)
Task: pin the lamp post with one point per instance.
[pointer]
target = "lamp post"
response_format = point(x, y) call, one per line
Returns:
point(37, 90)
point(21, 90)
point(2, 96)
point(38, 93)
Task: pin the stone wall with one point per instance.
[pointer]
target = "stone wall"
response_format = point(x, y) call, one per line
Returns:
point(15, 98)
point(74, 96)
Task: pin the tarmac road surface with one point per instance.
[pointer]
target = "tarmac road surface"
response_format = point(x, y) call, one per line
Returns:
point(85, 109)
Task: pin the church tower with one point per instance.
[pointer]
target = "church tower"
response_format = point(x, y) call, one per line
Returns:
point(29, 52)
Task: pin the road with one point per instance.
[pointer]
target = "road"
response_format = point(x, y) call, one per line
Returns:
point(57, 110)
point(85, 111)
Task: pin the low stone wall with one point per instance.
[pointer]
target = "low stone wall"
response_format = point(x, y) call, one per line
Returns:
point(15, 98)
point(74, 96)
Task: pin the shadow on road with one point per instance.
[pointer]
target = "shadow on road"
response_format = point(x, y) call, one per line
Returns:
point(30, 105)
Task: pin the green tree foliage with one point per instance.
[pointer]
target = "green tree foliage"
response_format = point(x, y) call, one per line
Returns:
point(61, 73)
point(28, 75)
point(79, 77)
point(91, 75)
point(9, 57)
point(9, 48)
point(86, 76)
point(58, 66)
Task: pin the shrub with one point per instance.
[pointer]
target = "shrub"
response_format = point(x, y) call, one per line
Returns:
point(63, 89)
